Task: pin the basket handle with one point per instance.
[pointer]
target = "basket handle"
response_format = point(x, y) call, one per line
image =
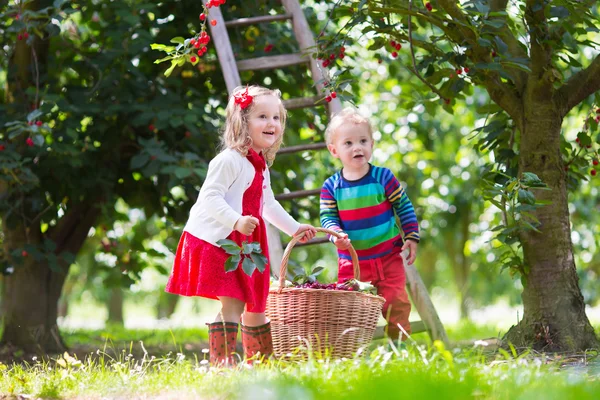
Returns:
point(296, 239)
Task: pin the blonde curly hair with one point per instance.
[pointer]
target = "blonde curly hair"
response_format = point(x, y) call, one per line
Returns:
point(350, 115)
point(236, 135)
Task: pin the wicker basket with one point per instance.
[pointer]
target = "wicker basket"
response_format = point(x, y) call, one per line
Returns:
point(329, 322)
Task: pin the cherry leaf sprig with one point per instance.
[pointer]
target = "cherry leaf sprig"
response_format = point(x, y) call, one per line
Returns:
point(190, 49)
point(249, 253)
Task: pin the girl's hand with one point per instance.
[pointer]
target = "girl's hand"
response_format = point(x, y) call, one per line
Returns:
point(310, 232)
point(342, 243)
point(411, 245)
point(246, 225)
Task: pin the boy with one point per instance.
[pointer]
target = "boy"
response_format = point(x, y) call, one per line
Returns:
point(361, 201)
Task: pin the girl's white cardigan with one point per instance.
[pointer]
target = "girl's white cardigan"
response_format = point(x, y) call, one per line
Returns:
point(219, 204)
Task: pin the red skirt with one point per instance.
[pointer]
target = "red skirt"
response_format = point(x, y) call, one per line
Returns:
point(199, 270)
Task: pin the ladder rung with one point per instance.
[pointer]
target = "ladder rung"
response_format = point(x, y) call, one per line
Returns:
point(415, 327)
point(298, 194)
point(258, 20)
point(303, 102)
point(272, 62)
point(320, 240)
point(302, 147)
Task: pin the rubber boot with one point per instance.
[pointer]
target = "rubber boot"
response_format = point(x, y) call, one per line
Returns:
point(222, 338)
point(257, 341)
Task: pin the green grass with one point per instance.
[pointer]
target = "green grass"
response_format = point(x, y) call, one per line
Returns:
point(421, 372)
point(165, 364)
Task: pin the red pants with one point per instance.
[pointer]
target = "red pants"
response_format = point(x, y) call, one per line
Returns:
point(388, 276)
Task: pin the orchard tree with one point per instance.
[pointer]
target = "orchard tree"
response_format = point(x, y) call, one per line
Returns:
point(87, 120)
point(537, 60)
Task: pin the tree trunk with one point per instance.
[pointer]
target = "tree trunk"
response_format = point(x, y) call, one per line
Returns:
point(30, 294)
point(166, 305)
point(30, 297)
point(115, 306)
point(554, 316)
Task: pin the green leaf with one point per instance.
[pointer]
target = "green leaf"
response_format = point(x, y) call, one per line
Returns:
point(317, 271)
point(38, 140)
point(158, 46)
point(248, 266)
point(182, 173)
point(522, 67)
point(139, 161)
point(260, 261)
point(178, 40)
point(484, 42)
point(171, 68)
point(526, 197)
point(232, 263)
point(229, 246)
point(34, 115)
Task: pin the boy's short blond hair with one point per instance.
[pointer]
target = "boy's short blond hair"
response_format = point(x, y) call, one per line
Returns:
point(348, 114)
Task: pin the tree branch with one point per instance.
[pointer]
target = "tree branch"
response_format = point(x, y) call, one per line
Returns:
point(514, 46)
point(579, 87)
point(541, 52)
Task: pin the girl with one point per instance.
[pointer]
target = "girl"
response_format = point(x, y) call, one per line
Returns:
point(232, 202)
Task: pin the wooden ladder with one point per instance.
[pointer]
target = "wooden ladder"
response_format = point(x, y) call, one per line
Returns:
point(231, 71)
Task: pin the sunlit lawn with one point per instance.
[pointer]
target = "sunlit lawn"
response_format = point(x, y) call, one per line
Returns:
point(123, 367)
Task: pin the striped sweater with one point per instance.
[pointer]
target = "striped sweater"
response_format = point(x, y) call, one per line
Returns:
point(364, 209)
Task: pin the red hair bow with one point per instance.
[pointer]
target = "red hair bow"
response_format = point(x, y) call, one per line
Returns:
point(243, 99)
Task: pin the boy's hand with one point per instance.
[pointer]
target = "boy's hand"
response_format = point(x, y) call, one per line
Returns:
point(310, 232)
point(411, 245)
point(342, 243)
point(246, 225)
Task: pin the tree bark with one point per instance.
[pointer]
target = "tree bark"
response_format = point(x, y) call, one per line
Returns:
point(166, 305)
point(554, 316)
point(30, 294)
point(30, 297)
point(115, 306)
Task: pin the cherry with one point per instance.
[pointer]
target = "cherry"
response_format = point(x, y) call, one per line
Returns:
point(394, 54)
point(151, 128)
point(268, 48)
point(466, 70)
point(333, 95)
point(398, 46)
point(29, 142)
point(39, 123)
point(213, 22)
point(393, 43)
point(428, 6)
point(202, 17)
point(2, 147)
point(593, 172)
point(595, 162)
point(193, 59)
point(24, 253)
